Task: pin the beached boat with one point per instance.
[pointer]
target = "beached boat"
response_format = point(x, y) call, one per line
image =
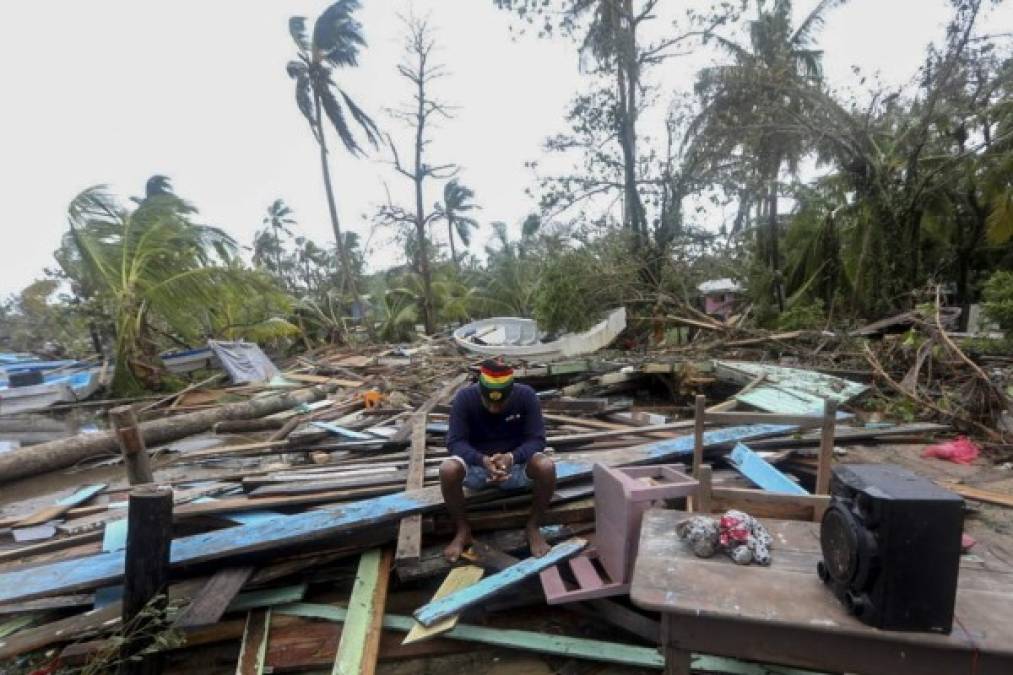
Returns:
point(57, 388)
point(516, 338)
point(190, 360)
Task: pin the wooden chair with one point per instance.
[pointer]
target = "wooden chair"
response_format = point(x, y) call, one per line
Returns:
point(827, 422)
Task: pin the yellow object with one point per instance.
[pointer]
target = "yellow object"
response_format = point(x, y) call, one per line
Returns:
point(372, 398)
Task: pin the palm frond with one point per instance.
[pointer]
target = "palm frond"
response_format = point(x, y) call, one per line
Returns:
point(337, 36)
point(332, 108)
point(365, 121)
point(297, 29)
point(813, 22)
point(999, 222)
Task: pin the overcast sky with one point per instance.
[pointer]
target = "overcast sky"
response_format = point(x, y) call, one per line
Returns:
point(113, 91)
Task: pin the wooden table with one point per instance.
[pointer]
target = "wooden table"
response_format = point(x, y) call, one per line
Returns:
point(784, 614)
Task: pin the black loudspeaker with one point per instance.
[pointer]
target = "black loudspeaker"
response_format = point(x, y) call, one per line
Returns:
point(891, 547)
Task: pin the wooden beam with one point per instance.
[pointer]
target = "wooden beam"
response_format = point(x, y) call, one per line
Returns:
point(440, 609)
point(358, 649)
point(128, 435)
point(409, 536)
point(253, 650)
point(214, 598)
point(459, 578)
point(699, 412)
point(146, 576)
point(826, 447)
point(702, 497)
point(530, 641)
point(764, 504)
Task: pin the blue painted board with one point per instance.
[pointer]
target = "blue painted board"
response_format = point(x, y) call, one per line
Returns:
point(82, 495)
point(762, 472)
point(342, 431)
point(456, 602)
point(105, 568)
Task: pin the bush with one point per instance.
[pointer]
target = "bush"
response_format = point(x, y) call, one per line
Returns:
point(998, 305)
point(803, 316)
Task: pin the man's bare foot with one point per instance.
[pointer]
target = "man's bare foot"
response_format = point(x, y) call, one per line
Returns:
point(536, 542)
point(460, 542)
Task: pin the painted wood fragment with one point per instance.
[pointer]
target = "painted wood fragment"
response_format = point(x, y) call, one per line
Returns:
point(268, 597)
point(409, 535)
point(342, 431)
point(210, 603)
point(95, 570)
point(360, 638)
point(459, 578)
point(559, 645)
point(44, 515)
point(253, 652)
point(454, 603)
point(762, 473)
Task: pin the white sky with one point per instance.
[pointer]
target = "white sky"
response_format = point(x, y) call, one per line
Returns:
point(113, 91)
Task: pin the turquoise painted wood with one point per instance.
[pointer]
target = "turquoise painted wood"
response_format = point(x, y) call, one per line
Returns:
point(455, 603)
point(82, 495)
point(561, 645)
point(104, 568)
point(762, 473)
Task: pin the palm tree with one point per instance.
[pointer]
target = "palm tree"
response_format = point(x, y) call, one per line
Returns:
point(279, 219)
point(456, 203)
point(335, 43)
point(152, 270)
point(745, 102)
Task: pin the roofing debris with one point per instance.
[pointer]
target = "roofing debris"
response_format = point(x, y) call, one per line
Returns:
point(308, 525)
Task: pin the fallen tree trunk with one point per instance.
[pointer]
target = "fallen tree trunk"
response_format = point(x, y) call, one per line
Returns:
point(36, 459)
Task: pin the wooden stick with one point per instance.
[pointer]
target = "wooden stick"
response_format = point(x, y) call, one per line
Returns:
point(702, 498)
point(359, 646)
point(698, 422)
point(135, 455)
point(826, 447)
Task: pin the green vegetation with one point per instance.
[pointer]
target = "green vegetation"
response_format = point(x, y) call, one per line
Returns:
point(830, 207)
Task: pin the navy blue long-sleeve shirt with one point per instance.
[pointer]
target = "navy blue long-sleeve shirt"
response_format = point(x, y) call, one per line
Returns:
point(476, 433)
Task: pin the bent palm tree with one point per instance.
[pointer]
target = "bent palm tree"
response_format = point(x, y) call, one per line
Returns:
point(335, 43)
point(456, 203)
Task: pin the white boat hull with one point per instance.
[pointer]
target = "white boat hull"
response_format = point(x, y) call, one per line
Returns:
point(517, 338)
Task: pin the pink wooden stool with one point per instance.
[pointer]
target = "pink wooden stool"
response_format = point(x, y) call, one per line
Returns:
point(621, 495)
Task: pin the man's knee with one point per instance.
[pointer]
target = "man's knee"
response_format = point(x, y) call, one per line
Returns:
point(541, 467)
point(452, 471)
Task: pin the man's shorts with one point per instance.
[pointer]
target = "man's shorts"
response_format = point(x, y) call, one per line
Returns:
point(477, 478)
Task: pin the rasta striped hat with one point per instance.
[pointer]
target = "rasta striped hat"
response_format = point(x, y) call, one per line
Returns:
point(495, 380)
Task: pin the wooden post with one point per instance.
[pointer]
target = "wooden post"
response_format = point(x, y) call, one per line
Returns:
point(702, 500)
point(128, 435)
point(698, 422)
point(409, 536)
point(826, 447)
point(146, 573)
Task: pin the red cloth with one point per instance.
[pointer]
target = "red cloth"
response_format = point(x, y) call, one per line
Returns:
point(960, 450)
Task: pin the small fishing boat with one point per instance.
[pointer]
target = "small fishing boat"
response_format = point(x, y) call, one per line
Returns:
point(517, 338)
point(189, 360)
point(65, 387)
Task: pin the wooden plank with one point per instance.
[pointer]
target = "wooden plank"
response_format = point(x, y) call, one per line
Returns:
point(769, 504)
point(978, 494)
point(48, 513)
point(409, 535)
point(357, 650)
point(253, 651)
point(826, 447)
point(268, 597)
point(57, 602)
point(211, 602)
point(542, 643)
point(96, 570)
point(440, 609)
point(699, 418)
point(762, 473)
point(459, 578)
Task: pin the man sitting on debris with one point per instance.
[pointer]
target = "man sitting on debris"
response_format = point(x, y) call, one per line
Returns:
point(496, 437)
